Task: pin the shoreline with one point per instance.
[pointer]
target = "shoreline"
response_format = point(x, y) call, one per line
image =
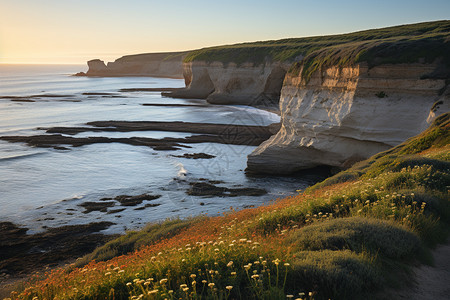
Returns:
point(26, 254)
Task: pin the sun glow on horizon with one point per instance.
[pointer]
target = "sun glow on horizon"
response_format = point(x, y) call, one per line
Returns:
point(73, 32)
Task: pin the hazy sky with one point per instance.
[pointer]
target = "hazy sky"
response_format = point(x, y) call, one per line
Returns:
point(74, 31)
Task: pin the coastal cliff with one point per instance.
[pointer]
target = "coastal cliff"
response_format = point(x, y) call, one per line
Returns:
point(151, 64)
point(230, 83)
point(346, 114)
point(341, 97)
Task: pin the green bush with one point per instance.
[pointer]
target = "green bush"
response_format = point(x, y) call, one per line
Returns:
point(134, 240)
point(359, 234)
point(337, 274)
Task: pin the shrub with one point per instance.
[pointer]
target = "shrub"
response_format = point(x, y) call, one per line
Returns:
point(336, 274)
point(359, 234)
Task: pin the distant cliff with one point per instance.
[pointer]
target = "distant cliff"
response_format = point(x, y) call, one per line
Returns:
point(245, 84)
point(167, 64)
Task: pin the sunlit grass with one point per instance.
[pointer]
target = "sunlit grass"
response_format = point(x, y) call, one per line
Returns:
point(335, 240)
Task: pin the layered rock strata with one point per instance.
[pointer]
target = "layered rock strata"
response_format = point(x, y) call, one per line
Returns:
point(343, 115)
point(245, 84)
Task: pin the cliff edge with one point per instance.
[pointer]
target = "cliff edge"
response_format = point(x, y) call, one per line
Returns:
point(346, 114)
point(230, 83)
point(169, 64)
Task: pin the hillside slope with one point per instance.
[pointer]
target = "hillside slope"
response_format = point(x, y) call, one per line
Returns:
point(350, 236)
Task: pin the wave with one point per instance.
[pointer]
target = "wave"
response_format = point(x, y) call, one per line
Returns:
point(182, 172)
point(20, 156)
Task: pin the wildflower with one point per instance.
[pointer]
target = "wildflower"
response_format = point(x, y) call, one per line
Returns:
point(255, 276)
point(229, 287)
point(129, 283)
point(233, 273)
point(289, 296)
point(230, 264)
point(204, 281)
point(163, 281)
point(185, 289)
point(211, 285)
point(276, 261)
point(183, 286)
point(107, 273)
point(286, 264)
point(193, 276)
point(121, 271)
point(152, 292)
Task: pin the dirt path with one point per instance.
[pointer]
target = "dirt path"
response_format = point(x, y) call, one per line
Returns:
point(432, 282)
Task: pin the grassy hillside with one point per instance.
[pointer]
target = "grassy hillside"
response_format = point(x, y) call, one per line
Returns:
point(351, 235)
point(422, 42)
point(145, 57)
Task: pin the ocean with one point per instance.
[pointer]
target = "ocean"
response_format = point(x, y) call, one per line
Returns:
point(46, 187)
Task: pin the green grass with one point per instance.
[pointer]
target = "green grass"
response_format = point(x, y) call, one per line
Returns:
point(359, 235)
point(134, 240)
point(349, 237)
point(421, 42)
point(401, 156)
point(337, 274)
point(145, 57)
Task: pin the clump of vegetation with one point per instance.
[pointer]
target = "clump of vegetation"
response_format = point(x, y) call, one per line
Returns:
point(421, 42)
point(359, 235)
point(346, 238)
point(381, 94)
point(134, 240)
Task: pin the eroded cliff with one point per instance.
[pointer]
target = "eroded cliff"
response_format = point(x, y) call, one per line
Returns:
point(168, 65)
point(345, 114)
point(230, 83)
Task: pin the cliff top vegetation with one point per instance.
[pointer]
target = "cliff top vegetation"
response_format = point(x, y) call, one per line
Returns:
point(145, 57)
point(421, 42)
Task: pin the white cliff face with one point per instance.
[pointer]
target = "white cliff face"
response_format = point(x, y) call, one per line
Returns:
point(245, 84)
point(343, 115)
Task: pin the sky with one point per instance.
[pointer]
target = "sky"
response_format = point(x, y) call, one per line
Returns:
point(74, 31)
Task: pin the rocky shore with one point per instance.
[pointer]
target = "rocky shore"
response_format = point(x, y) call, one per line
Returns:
point(23, 254)
point(208, 133)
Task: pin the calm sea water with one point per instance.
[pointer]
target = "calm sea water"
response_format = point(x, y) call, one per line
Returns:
point(43, 187)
